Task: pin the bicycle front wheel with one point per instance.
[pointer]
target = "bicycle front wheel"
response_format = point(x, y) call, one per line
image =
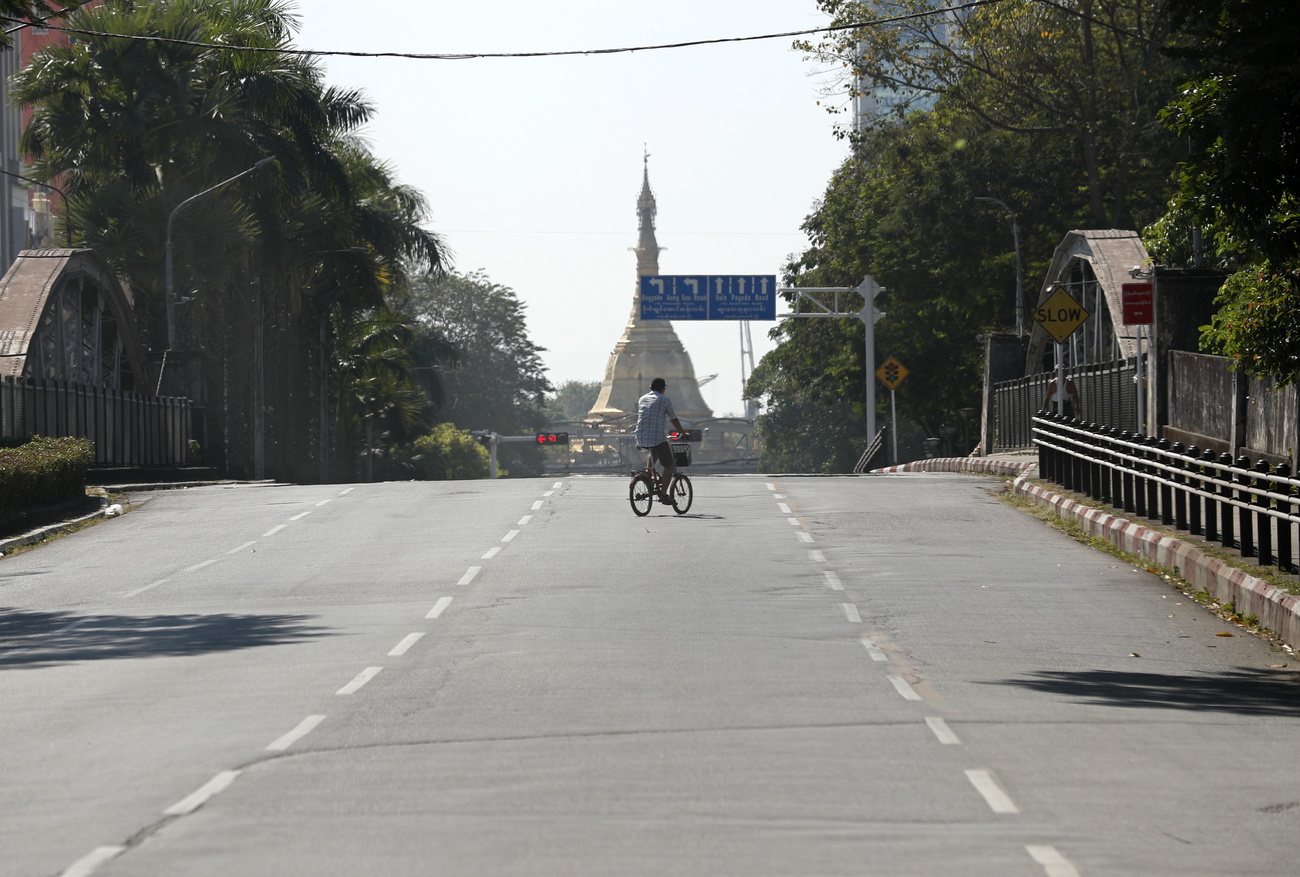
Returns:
point(683, 495)
point(640, 494)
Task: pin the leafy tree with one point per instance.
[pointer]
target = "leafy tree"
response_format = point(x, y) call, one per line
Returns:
point(449, 454)
point(572, 400)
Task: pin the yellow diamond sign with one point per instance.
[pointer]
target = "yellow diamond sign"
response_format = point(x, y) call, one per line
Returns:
point(892, 373)
point(1061, 315)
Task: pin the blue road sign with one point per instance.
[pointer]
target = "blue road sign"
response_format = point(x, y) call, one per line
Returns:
point(708, 297)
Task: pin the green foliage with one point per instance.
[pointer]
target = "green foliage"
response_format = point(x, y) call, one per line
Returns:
point(1258, 323)
point(42, 472)
point(449, 454)
point(572, 400)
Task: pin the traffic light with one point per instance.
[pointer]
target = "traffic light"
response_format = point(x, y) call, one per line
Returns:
point(552, 438)
point(482, 437)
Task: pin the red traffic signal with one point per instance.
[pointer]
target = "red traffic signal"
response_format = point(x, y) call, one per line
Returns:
point(552, 438)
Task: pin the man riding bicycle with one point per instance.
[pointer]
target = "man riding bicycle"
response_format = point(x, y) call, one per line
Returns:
point(653, 411)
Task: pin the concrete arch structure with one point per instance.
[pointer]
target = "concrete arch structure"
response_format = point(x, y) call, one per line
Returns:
point(64, 316)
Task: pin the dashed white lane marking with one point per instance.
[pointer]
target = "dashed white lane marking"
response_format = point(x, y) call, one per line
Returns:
point(299, 517)
point(492, 552)
point(274, 530)
point(89, 863)
point(509, 537)
point(523, 522)
point(242, 547)
point(816, 556)
point(1055, 864)
point(785, 509)
point(323, 501)
point(305, 727)
point(557, 485)
point(147, 587)
point(537, 505)
point(988, 787)
point(549, 493)
point(942, 731)
point(851, 613)
point(794, 522)
point(901, 686)
point(407, 641)
point(771, 486)
point(205, 793)
point(200, 565)
point(469, 575)
point(346, 492)
point(833, 581)
point(805, 536)
point(362, 678)
point(872, 650)
point(439, 607)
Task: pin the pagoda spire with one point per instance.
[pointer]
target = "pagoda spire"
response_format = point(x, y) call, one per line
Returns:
point(647, 248)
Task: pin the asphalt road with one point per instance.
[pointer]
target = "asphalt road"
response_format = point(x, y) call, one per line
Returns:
point(803, 676)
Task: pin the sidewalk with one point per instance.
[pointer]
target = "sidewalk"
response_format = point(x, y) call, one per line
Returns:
point(1276, 610)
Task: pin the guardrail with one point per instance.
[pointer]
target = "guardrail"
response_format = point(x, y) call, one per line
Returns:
point(1254, 508)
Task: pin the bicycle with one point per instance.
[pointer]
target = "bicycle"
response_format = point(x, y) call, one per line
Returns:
point(647, 484)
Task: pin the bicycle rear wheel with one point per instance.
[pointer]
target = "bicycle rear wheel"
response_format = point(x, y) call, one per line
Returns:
point(640, 495)
point(683, 495)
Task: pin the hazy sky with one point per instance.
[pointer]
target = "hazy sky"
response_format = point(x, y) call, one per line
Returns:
point(532, 166)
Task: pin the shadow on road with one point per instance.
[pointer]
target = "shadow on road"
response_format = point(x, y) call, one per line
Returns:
point(44, 639)
point(1243, 691)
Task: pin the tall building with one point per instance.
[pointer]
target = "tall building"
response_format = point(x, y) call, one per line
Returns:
point(648, 349)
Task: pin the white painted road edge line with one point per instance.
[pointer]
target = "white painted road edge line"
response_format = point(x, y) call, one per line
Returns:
point(443, 603)
point(942, 731)
point(200, 565)
point(242, 547)
point(300, 517)
point(276, 529)
point(901, 686)
point(851, 613)
point(362, 678)
point(90, 862)
point(509, 537)
point(987, 786)
point(205, 793)
point(833, 581)
point(469, 575)
point(1053, 862)
point(147, 587)
point(305, 727)
point(492, 552)
point(874, 651)
point(407, 641)
point(523, 522)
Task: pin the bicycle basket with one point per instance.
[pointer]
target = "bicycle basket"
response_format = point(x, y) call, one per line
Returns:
point(681, 453)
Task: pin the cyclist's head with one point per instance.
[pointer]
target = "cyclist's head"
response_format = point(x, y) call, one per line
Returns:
point(658, 385)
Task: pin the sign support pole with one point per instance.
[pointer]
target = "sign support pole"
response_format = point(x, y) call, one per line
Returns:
point(893, 429)
point(1061, 395)
point(1141, 387)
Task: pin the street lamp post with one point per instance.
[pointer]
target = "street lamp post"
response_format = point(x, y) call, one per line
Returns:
point(1020, 280)
point(168, 297)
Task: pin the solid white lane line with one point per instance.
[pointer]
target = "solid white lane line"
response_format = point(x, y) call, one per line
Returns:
point(793, 521)
point(509, 537)
point(523, 522)
point(300, 517)
point(323, 501)
point(785, 509)
point(89, 863)
point(1055, 864)
point(200, 565)
point(147, 587)
point(276, 529)
point(851, 613)
point(833, 581)
point(407, 641)
point(442, 604)
point(816, 556)
point(346, 492)
point(491, 553)
point(205, 793)
point(305, 727)
point(901, 686)
point(537, 505)
point(362, 678)
point(942, 731)
point(988, 787)
point(242, 547)
point(805, 536)
point(469, 575)
point(872, 650)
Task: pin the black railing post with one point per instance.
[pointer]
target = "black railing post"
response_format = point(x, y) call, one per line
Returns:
point(1264, 525)
point(1179, 480)
point(1194, 483)
point(1210, 485)
point(1166, 483)
point(1227, 514)
point(1286, 560)
point(1247, 496)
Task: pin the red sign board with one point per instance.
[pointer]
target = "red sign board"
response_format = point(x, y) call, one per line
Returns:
point(1139, 302)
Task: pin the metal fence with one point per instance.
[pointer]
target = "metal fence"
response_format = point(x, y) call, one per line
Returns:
point(1252, 508)
point(126, 428)
point(1107, 395)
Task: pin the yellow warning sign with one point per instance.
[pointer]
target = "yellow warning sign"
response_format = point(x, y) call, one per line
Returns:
point(1061, 316)
point(892, 373)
